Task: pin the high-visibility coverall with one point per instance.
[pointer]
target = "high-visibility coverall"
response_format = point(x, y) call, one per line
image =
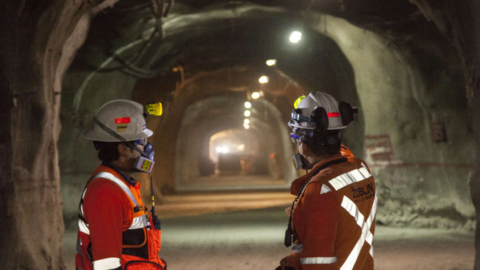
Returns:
point(334, 218)
point(115, 231)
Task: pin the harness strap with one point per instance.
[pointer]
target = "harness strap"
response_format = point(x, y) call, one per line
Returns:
point(119, 182)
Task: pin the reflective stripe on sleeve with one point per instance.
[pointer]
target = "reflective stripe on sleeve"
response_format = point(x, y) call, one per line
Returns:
point(318, 260)
point(349, 178)
point(366, 235)
point(106, 264)
point(83, 227)
point(325, 189)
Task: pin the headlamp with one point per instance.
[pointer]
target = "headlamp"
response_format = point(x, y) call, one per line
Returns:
point(297, 102)
point(154, 108)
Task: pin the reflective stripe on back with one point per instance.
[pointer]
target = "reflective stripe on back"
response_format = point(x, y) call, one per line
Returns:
point(365, 225)
point(119, 182)
point(349, 178)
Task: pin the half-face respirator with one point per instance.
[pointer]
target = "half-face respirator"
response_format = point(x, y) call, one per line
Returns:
point(144, 163)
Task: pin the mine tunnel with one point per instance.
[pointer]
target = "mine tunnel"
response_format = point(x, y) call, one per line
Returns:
point(227, 74)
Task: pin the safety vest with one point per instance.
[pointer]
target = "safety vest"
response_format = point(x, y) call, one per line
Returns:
point(140, 243)
point(353, 187)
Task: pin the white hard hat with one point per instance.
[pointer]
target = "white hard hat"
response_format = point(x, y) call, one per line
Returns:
point(305, 105)
point(122, 116)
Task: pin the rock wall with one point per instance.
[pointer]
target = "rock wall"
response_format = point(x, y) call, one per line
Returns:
point(41, 39)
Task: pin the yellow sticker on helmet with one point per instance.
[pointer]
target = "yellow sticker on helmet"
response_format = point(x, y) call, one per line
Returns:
point(297, 102)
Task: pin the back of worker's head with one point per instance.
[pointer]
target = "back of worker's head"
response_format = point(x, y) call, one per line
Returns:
point(317, 120)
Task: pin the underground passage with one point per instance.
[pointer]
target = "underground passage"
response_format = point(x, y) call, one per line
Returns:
point(229, 80)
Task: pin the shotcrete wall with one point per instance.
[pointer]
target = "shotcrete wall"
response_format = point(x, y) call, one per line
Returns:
point(404, 99)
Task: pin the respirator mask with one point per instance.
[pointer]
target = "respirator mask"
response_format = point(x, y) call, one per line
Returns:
point(144, 163)
point(299, 161)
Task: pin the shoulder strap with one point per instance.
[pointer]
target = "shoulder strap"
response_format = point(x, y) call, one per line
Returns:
point(119, 183)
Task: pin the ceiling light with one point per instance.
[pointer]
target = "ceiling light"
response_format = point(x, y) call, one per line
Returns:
point(241, 147)
point(246, 121)
point(271, 62)
point(263, 79)
point(255, 95)
point(295, 37)
point(248, 105)
point(246, 126)
point(247, 113)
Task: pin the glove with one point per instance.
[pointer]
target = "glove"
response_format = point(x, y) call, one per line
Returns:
point(284, 268)
point(291, 262)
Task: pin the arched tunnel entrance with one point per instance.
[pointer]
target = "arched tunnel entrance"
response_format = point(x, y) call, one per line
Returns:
point(205, 62)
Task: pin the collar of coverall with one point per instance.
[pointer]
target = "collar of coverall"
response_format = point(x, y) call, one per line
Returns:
point(130, 180)
point(297, 184)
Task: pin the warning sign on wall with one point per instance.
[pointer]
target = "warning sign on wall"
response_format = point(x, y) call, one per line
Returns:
point(379, 149)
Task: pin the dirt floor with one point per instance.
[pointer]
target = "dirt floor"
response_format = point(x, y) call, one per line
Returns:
point(252, 239)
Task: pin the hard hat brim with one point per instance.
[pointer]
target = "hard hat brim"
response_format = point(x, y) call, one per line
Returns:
point(93, 135)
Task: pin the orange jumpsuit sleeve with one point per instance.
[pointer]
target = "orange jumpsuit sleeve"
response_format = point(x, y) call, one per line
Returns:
point(320, 216)
point(105, 207)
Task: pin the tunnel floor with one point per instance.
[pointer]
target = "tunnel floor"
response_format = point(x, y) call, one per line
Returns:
point(252, 239)
point(232, 182)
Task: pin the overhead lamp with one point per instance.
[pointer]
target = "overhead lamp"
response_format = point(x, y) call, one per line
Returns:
point(247, 113)
point(248, 105)
point(263, 79)
point(255, 95)
point(246, 121)
point(295, 36)
point(246, 126)
point(271, 62)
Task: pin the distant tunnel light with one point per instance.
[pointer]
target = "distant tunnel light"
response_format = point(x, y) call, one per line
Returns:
point(246, 126)
point(246, 121)
point(241, 147)
point(222, 149)
point(247, 113)
point(248, 105)
point(255, 95)
point(271, 62)
point(263, 79)
point(295, 37)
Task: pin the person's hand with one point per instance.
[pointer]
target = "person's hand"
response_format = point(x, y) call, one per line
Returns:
point(288, 210)
point(291, 262)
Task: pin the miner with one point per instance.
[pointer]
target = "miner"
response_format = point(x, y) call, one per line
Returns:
point(332, 220)
point(114, 228)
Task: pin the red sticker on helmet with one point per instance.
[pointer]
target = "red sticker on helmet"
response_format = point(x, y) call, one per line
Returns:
point(333, 114)
point(123, 120)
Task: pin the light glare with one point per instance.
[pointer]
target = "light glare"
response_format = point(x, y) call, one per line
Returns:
point(246, 126)
point(246, 121)
point(247, 113)
point(263, 79)
point(248, 105)
point(271, 62)
point(295, 37)
point(255, 95)
point(241, 147)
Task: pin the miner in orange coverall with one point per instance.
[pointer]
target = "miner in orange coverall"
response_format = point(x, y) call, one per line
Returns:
point(115, 231)
point(332, 220)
